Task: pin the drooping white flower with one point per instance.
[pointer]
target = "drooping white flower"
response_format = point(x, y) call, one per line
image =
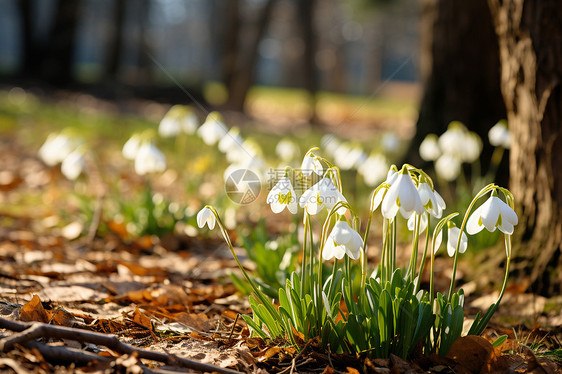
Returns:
point(213, 129)
point(342, 240)
point(283, 195)
point(232, 139)
point(169, 127)
point(494, 213)
point(131, 147)
point(472, 147)
point(287, 150)
point(56, 148)
point(448, 167)
point(149, 159)
point(402, 195)
point(73, 165)
point(311, 163)
point(453, 237)
point(322, 194)
point(206, 216)
point(380, 194)
point(180, 118)
point(189, 122)
point(431, 200)
point(429, 148)
point(412, 222)
point(453, 140)
point(349, 156)
point(499, 135)
point(373, 169)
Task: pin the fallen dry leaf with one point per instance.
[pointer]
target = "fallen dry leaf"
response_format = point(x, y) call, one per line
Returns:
point(34, 311)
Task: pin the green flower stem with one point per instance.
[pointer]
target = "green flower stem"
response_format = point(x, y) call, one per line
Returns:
point(393, 252)
point(334, 272)
point(303, 262)
point(417, 285)
point(414, 258)
point(482, 192)
point(256, 290)
point(364, 254)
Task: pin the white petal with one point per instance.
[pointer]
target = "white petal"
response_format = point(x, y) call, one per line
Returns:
point(438, 241)
point(332, 250)
point(506, 227)
point(490, 213)
point(292, 206)
point(203, 216)
point(379, 197)
point(508, 213)
point(389, 205)
point(453, 234)
point(277, 207)
point(473, 225)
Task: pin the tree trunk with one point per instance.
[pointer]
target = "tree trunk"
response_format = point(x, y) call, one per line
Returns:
point(115, 44)
point(460, 71)
point(230, 44)
point(530, 45)
point(243, 77)
point(310, 83)
point(32, 50)
point(59, 59)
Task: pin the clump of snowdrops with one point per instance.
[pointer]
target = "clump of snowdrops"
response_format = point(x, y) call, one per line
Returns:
point(389, 312)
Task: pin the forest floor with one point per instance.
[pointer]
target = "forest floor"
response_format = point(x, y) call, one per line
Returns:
point(171, 301)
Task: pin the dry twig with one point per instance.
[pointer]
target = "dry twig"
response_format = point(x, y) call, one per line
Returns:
point(28, 332)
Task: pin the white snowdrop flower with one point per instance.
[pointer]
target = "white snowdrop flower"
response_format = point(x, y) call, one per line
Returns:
point(56, 148)
point(149, 159)
point(494, 213)
point(472, 147)
point(73, 165)
point(448, 167)
point(131, 147)
point(189, 123)
point(379, 196)
point(322, 194)
point(169, 127)
point(453, 140)
point(412, 222)
point(499, 135)
point(429, 148)
point(342, 240)
point(213, 129)
point(373, 169)
point(431, 200)
point(283, 195)
point(453, 237)
point(311, 163)
point(232, 139)
point(402, 195)
point(206, 217)
point(287, 150)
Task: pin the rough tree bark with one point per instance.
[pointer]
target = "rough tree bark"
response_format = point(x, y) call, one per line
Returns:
point(460, 71)
point(530, 44)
